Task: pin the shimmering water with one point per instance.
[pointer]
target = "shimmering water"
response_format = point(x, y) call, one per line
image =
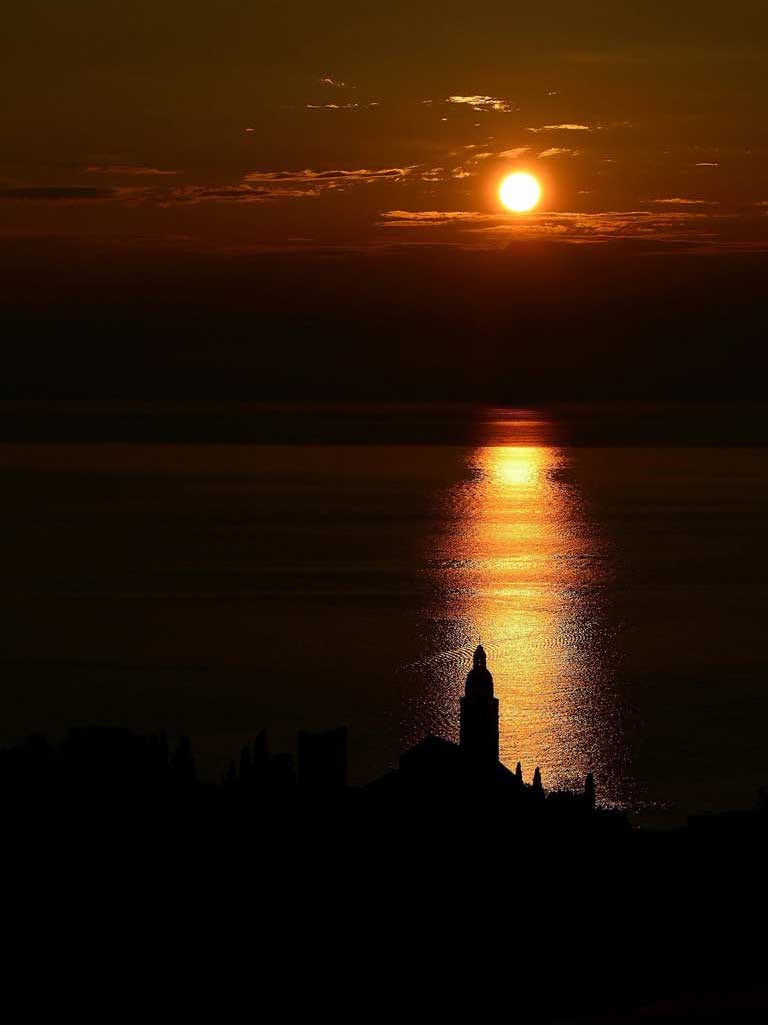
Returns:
point(619, 589)
point(522, 566)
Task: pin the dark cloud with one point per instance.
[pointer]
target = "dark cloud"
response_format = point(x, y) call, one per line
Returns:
point(240, 193)
point(269, 186)
point(255, 188)
point(138, 170)
point(53, 193)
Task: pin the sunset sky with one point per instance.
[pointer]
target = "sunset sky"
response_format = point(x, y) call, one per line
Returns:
point(304, 163)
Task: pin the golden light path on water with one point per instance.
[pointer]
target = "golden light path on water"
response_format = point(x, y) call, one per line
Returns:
point(520, 568)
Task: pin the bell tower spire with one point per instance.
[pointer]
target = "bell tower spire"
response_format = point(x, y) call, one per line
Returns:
point(479, 718)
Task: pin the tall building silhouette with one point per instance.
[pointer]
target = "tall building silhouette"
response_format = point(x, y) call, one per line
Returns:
point(479, 717)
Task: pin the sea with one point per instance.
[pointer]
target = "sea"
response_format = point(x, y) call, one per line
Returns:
point(219, 569)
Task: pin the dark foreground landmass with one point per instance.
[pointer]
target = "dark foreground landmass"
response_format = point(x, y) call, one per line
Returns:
point(415, 896)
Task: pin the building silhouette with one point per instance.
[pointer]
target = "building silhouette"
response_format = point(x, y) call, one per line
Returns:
point(446, 769)
point(106, 768)
point(479, 718)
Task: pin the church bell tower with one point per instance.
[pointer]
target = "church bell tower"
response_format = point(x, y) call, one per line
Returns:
point(479, 719)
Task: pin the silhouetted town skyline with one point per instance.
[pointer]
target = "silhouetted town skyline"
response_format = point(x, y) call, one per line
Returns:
point(434, 861)
point(112, 766)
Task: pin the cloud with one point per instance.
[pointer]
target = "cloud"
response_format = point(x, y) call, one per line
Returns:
point(705, 163)
point(416, 217)
point(513, 154)
point(272, 186)
point(680, 201)
point(561, 128)
point(557, 151)
point(334, 83)
point(130, 169)
point(241, 193)
point(433, 174)
point(255, 187)
point(325, 177)
point(482, 102)
point(212, 193)
point(341, 106)
point(56, 193)
point(475, 230)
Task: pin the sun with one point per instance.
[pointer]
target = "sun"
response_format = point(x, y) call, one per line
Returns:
point(519, 192)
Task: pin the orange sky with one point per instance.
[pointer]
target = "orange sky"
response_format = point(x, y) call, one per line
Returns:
point(298, 126)
point(297, 199)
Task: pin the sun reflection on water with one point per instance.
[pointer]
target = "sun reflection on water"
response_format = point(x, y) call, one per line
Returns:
point(521, 568)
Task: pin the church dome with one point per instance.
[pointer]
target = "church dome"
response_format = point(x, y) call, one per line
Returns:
point(479, 680)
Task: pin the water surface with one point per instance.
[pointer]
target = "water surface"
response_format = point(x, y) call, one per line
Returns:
point(618, 586)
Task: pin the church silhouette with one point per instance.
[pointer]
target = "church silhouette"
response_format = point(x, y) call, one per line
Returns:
point(472, 770)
